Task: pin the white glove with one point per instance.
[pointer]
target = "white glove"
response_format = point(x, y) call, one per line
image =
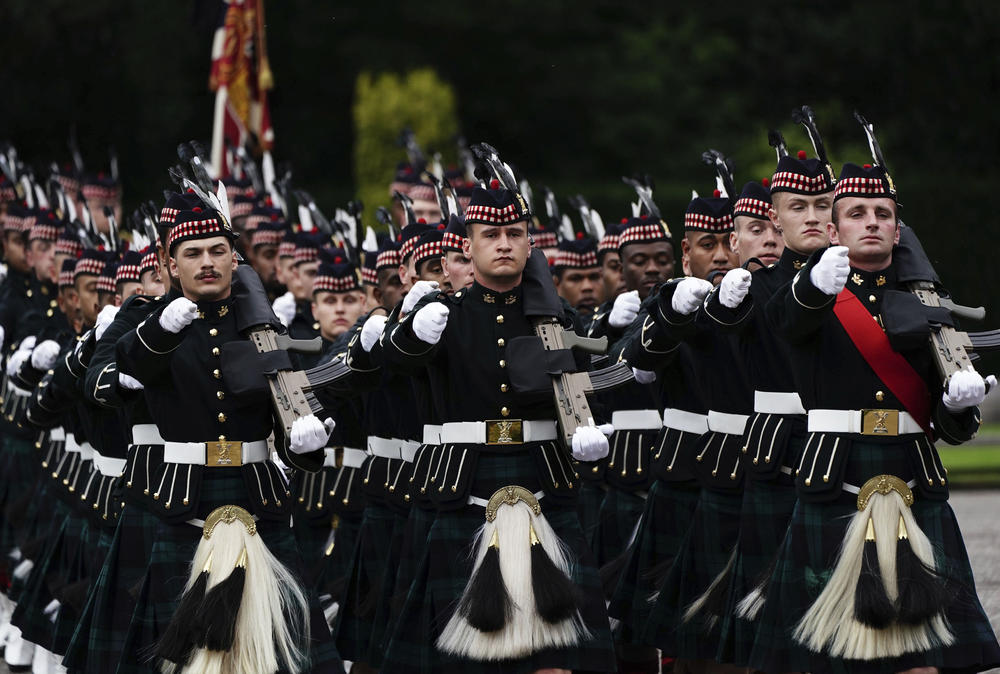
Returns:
point(689, 294)
point(27, 344)
point(371, 331)
point(104, 319)
point(625, 309)
point(417, 292)
point(44, 355)
point(644, 376)
point(284, 308)
point(129, 382)
point(15, 360)
point(3, 334)
point(831, 272)
point(430, 321)
point(590, 443)
point(966, 388)
point(309, 434)
point(178, 315)
point(734, 287)
point(3, 272)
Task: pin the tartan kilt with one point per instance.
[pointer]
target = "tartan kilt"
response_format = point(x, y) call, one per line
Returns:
point(356, 617)
point(169, 566)
point(807, 555)
point(383, 619)
point(767, 508)
point(418, 525)
point(617, 521)
point(21, 470)
point(664, 523)
point(90, 561)
point(703, 555)
point(589, 507)
point(335, 568)
point(445, 567)
point(101, 637)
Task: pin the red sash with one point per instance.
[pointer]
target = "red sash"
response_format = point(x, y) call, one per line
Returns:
point(871, 341)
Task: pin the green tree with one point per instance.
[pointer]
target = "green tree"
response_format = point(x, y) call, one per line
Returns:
point(383, 105)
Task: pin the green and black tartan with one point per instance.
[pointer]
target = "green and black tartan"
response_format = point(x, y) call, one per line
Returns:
point(591, 498)
point(767, 508)
point(446, 565)
point(21, 470)
point(807, 555)
point(101, 638)
point(169, 567)
point(704, 553)
point(665, 521)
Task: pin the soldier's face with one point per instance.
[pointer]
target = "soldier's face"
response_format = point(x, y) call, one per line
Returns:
point(337, 312)
point(428, 211)
point(125, 290)
point(646, 264)
point(204, 267)
point(69, 304)
point(755, 238)
point(304, 273)
point(432, 270)
point(704, 253)
point(868, 228)
point(283, 270)
point(13, 251)
point(582, 288)
point(611, 275)
point(498, 252)
point(42, 258)
point(801, 220)
point(265, 262)
point(390, 289)
point(407, 275)
point(86, 291)
point(152, 284)
point(457, 269)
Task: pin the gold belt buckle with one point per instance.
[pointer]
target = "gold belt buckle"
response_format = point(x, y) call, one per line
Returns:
point(504, 432)
point(224, 453)
point(880, 422)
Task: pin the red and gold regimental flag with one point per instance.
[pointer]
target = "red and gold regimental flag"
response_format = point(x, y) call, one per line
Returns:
point(241, 78)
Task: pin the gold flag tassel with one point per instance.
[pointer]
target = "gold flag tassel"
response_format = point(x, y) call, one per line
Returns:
point(835, 624)
point(254, 616)
point(519, 598)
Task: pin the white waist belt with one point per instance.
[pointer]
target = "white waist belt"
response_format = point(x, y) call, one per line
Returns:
point(195, 452)
point(730, 424)
point(392, 448)
point(632, 420)
point(109, 466)
point(432, 434)
point(57, 434)
point(682, 420)
point(777, 402)
point(474, 432)
point(146, 434)
point(85, 450)
point(350, 458)
point(849, 421)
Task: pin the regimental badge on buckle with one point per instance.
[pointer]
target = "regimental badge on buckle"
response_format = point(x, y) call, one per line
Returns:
point(504, 432)
point(224, 453)
point(880, 422)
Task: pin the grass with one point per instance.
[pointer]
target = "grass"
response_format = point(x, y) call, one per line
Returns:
point(973, 465)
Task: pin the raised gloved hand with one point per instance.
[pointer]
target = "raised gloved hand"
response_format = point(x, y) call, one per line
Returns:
point(831, 272)
point(644, 376)
point(178, 315)
point(966, 388)
point(309, 434)
point(430, 322)
point(417, 292)
point(284, 308)
point(104, 319)
point(27, 344)
point(590, 443)
point(129, 382)
point(625, 309)
point(371, 331)
point(689, 294)
point(15, 361)
point(734, 287)
point(44, 355)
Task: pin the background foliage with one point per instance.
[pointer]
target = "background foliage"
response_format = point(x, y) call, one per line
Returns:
point(574, 93)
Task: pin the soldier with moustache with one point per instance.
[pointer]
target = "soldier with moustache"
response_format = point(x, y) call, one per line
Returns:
point(872, 574)
point(802, 193)
point(222, 503)
point(500, 458)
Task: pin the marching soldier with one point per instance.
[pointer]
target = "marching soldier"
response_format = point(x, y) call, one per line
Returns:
point(577, 275)
point(860, 581)
point(518, 604)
